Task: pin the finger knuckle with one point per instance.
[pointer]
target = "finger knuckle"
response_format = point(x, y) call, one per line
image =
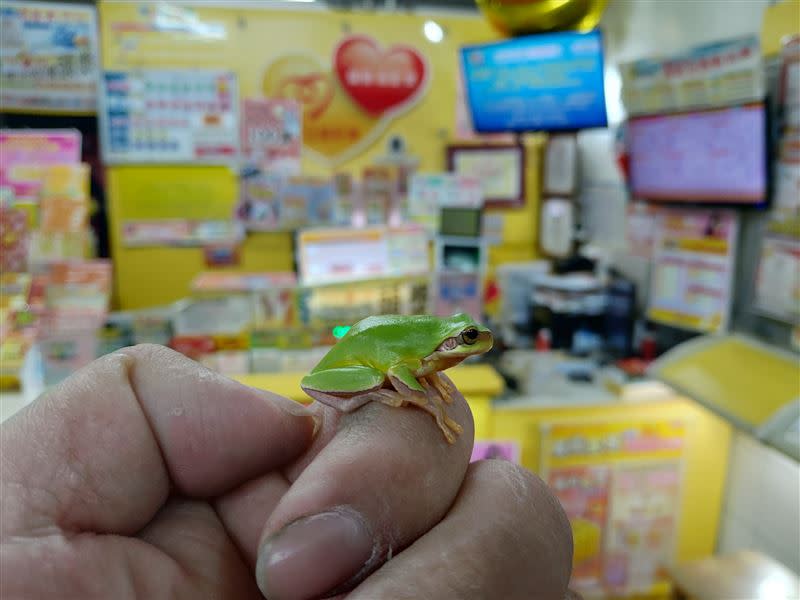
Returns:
point(150, 352)
point(515, 485)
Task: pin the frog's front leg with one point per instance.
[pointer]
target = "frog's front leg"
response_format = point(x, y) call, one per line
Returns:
point(445, 389)
point(403, 378)
point(435, 400)
point(419, 393)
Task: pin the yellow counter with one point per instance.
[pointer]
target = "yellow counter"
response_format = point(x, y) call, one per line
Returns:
point(705, 455)
point(478, 383)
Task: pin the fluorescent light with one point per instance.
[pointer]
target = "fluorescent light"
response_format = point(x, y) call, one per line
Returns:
point(433, 31)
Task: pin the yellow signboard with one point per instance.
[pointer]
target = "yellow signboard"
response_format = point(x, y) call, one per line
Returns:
point(361, 77)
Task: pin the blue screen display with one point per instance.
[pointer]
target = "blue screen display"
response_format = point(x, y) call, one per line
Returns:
point(544, 82)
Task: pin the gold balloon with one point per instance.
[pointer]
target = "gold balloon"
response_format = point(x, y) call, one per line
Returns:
point(519, 17)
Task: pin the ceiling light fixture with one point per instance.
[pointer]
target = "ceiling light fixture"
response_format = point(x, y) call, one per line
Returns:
point(433, 31)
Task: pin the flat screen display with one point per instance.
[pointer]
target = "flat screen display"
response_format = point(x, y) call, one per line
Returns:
point(714, 156)
point(543, 82)
point(464, 222)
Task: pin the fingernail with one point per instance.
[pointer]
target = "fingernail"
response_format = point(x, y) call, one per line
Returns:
point(313, 555)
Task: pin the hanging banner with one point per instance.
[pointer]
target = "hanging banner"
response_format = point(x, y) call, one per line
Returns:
point(727, 72)
point(48, 57)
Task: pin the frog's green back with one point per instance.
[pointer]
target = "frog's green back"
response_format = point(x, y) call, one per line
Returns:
point(382, 341)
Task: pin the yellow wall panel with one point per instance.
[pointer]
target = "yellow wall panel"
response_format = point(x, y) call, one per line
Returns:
point(246, 40)
point(160, 275)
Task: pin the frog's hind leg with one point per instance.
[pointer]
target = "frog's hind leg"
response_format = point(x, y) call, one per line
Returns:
point(345, 388)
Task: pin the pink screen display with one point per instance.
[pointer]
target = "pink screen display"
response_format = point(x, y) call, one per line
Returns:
point(712, 156)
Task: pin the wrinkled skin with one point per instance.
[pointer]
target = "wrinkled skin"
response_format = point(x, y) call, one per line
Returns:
point(147, 476)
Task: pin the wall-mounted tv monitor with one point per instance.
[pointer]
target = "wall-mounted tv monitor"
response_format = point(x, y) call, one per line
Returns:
point(542, 82)
point(714, 156)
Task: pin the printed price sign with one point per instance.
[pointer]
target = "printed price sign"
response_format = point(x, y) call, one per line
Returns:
point(182, 115)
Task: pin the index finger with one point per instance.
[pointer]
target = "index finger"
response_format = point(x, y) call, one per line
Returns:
point(101, 451)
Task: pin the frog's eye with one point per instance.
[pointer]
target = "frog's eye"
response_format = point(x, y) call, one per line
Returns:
point(469, 336)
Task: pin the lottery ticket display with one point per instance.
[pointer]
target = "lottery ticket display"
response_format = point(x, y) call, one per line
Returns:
point(187, 115)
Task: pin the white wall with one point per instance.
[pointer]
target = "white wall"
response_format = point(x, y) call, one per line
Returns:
point(762, 503)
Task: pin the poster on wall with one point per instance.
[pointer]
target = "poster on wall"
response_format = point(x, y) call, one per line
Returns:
point(28, 154)
point(349, 103)
point(170, 115)
point(48, 57)
point(272, 135)
point(619, 483)
point(777, 290)
point(693, 264)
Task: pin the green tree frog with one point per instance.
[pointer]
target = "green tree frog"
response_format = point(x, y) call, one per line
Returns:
point(396, 360)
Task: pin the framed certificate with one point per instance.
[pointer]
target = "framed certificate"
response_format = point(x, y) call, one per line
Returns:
point(500, 168)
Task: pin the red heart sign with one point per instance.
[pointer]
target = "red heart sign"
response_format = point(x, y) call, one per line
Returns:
point(379, 80)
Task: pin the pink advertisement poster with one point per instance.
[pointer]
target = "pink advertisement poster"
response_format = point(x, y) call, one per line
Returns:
point(641, 531)
point(26, 152)
point(584, 493)
point(272, 134)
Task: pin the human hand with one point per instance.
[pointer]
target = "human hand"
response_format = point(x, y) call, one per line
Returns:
point(145, 475)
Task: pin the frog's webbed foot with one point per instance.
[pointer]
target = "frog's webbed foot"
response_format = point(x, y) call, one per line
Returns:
point(410, 390)
point(443, 386)
point(436, 405)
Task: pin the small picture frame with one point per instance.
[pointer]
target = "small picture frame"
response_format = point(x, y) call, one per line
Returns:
point(500, 167)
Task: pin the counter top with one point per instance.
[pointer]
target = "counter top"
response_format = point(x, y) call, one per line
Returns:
point(474, 380)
